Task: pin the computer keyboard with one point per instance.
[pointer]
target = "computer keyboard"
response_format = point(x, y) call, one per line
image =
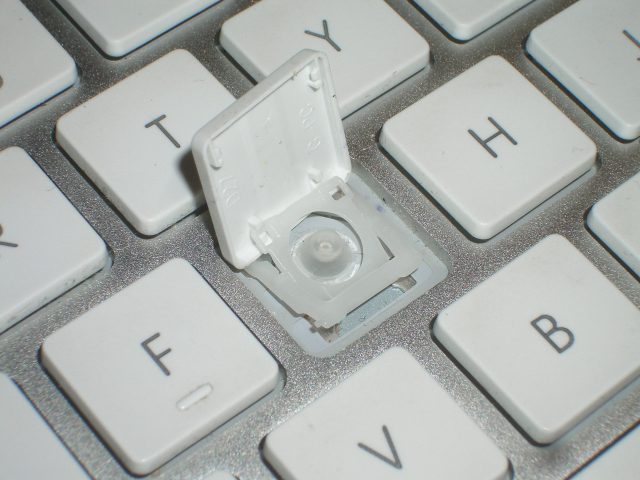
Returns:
point(500, 136)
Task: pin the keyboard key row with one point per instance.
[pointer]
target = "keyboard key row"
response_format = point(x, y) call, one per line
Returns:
point(371, 48)
point(133, 141)
point(163, 362)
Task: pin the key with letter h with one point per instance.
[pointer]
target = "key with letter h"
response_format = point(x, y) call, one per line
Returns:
point(495, 149)
point(485, 142)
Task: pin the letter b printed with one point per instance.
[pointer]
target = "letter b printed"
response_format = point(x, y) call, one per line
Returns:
point(560, 338)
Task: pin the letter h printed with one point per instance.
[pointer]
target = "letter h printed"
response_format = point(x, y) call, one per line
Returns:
point(485, 142)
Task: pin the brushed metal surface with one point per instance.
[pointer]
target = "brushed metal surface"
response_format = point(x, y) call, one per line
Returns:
point(236, 446)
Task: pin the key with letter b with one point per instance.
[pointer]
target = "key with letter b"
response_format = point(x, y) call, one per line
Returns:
point(548, 336)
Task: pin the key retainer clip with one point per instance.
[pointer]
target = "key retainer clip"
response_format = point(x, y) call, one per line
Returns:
point(274, 168)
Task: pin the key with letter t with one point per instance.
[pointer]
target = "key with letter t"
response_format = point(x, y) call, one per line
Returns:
point(134, 139)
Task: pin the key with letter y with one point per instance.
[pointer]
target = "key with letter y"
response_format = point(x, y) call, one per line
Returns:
point(370, 47)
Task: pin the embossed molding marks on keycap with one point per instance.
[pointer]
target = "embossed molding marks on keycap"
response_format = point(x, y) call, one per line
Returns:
point(626, 33)
point(395, 462)
point(485, 142)
point(6, 244)
point(325, 35)
point(156, 123)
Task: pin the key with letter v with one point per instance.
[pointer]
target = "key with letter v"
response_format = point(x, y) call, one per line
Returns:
point(396, 459)
point(338, 436)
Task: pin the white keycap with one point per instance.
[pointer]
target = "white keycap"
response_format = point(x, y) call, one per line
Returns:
point(593, 49)
point(548, 336)
point(134, 139)
point(619, 462)
point(488, 146)
point(46, 247)
point(371, 49)
point(28, 447)
point(120, 26)
point(464, 19)
point(33, 66)
point(616, 221)
point(159, 365)
point(388, 420)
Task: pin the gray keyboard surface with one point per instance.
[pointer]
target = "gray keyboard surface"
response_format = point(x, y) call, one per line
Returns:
point(236, 447)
